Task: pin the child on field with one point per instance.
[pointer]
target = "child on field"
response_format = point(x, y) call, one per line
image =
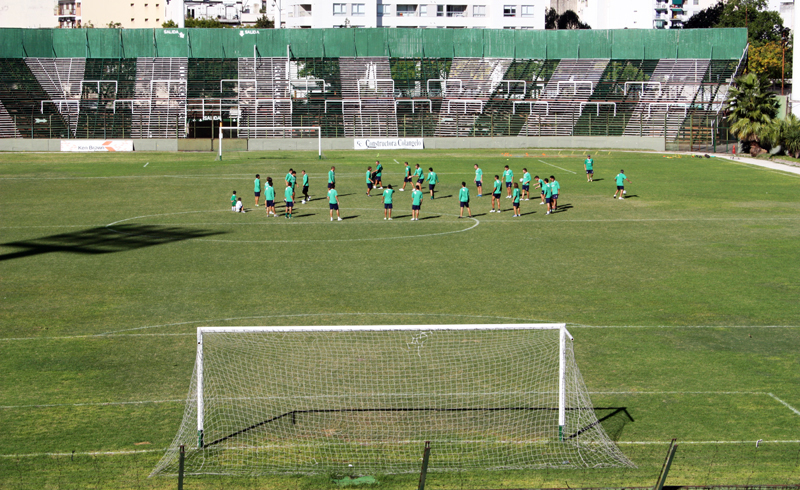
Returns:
point(239, 208)
point(233, 201)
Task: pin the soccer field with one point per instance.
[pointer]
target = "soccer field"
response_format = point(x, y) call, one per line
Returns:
point(682, 298)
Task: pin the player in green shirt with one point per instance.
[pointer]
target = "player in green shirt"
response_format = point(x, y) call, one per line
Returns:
point(547, 193)
point(508, 174)
point(463, 199)
point(288, 177)
point(305, 188)
point(294, 183)
point(621, 178)
point(497, 191)
point(387, 202)
point(269, 198)
point(515, 200)
point(331, 177)
point(233, 201)
point(370, 183)
point(417, 177)
point(432, 180)
point(526, 184)
point(288, 193)
point(257, 188)
point(407, 178)
point(539, 185)
point(588, 165)
point(479, 180)
point(333, 202)
point(416, 202)
point(555, 187)
point(378, 173)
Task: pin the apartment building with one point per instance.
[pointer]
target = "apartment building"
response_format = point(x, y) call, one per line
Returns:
point(432, 14)
point(232, 12)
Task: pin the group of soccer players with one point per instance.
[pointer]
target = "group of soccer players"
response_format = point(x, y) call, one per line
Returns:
point(549, 190)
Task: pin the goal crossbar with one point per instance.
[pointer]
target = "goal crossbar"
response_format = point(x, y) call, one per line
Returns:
point(272, 128)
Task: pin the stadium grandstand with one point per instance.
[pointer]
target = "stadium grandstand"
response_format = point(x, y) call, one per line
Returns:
point(183, 83)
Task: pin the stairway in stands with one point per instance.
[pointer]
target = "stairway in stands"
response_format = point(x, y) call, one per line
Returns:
point(463, 102)
point(661, 110)
point(572, 82)
point(267, 102)
point(61, 79)
point(7, 127)
point(162, 82)
point(368, 110)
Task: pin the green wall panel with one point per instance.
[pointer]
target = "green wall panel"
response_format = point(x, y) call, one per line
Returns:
point(718, 44)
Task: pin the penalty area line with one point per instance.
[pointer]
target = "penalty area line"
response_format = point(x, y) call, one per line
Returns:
point(87, 453)
point(797, 412)
point(556, 166)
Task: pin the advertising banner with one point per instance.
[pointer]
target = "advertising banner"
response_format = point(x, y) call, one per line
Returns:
point(387, 144)
point(96, 145)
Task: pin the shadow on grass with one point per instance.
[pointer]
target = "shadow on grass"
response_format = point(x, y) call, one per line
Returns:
point(613, 420)
point(430, 217)
point(401, 216)
point(630, 196)
point(349, 217)
point(303, 215)
point(103, 240)
point(563, 207)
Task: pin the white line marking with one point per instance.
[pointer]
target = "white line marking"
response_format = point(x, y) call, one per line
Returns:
point(576, 325)
point(182, 400)
point(109, 226)
point(784, 404)
point(146, 164)
point(92, 453)
point(296, 315)
point(89, 404)
point(556, 166)
point(124, 453)
point(635, 220)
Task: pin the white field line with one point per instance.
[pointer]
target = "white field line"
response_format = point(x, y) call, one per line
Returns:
point(182, 400)
point(556, 166)
point(89, 404)
point(91, 453)
point(784, 404)
point(124, 453)
point(372, 222)
point(146, 164)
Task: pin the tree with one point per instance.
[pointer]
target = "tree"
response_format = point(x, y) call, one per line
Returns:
point(784, 135)
point(570, 20)
point(203, 23)
point(551, 19)
point(751, 110)
point(114, 25)
point(766, 60)
point(706, 18)
point(567, 20)
point(762, 25)
point(169, 24)
point(264, 23)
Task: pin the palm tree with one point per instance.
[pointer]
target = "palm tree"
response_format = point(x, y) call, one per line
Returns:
point(786, 134)
point(751, 110)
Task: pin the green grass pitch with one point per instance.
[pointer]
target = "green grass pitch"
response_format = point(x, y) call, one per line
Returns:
point(683, 300)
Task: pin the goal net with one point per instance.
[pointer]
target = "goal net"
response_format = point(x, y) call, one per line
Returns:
point(271, 132)
point(365, 399)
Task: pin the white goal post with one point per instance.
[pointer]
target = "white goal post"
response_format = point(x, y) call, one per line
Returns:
point(267, 400)
point(275, 129)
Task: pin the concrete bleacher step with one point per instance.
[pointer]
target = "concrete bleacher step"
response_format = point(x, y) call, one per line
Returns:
point(572, 82)
point(61, 80)
point(7, 127)
point(367, 110)
point(255, 100)
point(162, 82)
point(470, 80)
point(662, 109)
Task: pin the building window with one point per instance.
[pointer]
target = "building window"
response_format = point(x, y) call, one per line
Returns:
point(509, 10)
point(479, 10)
point(456, 10)
point(526, 11)
point(696, 2)
point(384, 10)
point(440, 11)
point(406, 10)
point(339, 9)
point(423, 10)
point(359, 9)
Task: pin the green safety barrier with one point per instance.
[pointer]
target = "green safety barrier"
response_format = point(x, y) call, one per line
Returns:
point(717, 44)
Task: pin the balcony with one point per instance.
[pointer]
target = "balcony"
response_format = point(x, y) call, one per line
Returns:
point(456, 10)
point(303, 10)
